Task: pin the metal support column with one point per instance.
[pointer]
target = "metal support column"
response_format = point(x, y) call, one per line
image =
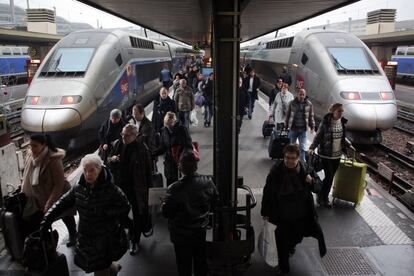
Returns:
point(233, 236)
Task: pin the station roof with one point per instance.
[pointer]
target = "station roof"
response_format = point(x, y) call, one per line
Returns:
point(9, 36)
point(190, 20)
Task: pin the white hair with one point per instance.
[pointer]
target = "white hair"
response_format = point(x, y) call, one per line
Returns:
point(115, 113)
point(93, 159)
point(133, 128)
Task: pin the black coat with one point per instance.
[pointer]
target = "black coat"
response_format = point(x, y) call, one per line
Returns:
point(178, 136)
point(161, 107)
point(101, 239)
point(324, 138)
point(256, 85)
point(109, 132)
point(187, 205)
point(208, 88)
point(146, 133)
point(243, 101)
point(273, 198)
point(133, 172)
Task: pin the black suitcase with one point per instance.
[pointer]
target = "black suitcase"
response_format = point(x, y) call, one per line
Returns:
point(278, 140)
point(267, 127)
point(58, 267)
point(10, 224)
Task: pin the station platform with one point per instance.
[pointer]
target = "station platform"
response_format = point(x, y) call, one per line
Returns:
point(375, 238)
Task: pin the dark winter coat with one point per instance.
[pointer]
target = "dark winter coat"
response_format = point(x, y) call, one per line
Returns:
point(187, 205)
point(294, 107)
point(273, 199)
point(256, 85)
point(146, 133)
point(208, 88)
point(324, 139)
point(101, 239)
point(161, 107)
point(109, 132)
point(178, 136)
point(243, 101)
point(133, 172)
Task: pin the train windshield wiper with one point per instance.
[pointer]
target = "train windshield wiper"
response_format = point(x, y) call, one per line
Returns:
point(338, 65)
point(56, 64)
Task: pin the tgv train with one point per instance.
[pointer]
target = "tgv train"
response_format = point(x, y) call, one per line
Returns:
point(405, 58)
point(89, 73)
point(333, 67)
point(13, 73)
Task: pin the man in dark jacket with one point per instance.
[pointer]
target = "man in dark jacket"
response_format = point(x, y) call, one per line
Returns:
point(165, 76)
point(131, 165)
point(162, 105)
point(299, 117)
point(275, 91)
point(146, 133)
point(100, 205)
point(109, 132)
point(251, 84)
point(208, 89)
point(188, 216)
point(288, 203)
point(285, 76)
point(243, 101)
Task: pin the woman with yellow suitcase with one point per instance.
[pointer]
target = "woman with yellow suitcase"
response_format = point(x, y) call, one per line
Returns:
point(331, 142)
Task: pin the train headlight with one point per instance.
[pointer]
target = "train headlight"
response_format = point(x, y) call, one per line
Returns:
point(350, 96)
point(387, 96)
point(70, 99)
point(33, 100)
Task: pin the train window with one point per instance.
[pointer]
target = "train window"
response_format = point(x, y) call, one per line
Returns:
point(16, 52)
point(347, 58)
point(7, 51)
point(304, 59)
point(401, 51)
point(69, 60)
point(25, 51)
point(118, 59)
point(410, 51)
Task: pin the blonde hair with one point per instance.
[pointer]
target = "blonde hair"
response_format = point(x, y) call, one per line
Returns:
point(170, 115)
point(334, 107)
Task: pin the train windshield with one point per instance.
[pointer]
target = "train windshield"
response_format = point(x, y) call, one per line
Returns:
point(351, 60)
point(68, 60)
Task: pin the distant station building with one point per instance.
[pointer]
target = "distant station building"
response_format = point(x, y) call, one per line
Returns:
point(63, 26)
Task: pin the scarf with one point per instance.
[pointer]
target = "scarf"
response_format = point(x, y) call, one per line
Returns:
point(32, 172)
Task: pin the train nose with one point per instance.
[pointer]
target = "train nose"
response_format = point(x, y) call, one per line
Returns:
point(65, 121)
point(370, 117)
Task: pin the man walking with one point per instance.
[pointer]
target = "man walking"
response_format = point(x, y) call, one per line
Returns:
point(299, 117)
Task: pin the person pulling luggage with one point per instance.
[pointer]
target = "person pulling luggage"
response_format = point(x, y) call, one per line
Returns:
point(288, 203)
point(331, 142)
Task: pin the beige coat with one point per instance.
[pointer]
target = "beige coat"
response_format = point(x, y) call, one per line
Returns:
point(52, 182)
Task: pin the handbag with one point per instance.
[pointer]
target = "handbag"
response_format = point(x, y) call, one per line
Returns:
point(315, 161)
point(267, 244)
point(176, 152)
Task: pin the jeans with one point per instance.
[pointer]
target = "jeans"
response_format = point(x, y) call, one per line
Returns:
point(329, 167)
point(184, 117)
point(301, 135)
point(189, 256)
point(252, 100)
point(208, 112)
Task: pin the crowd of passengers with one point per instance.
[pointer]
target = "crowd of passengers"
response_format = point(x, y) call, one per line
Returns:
point(117, 179)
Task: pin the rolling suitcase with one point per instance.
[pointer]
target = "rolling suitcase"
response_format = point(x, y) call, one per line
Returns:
point(10, 224)
point(278, 140)
point(267, 128)
point(349, 182)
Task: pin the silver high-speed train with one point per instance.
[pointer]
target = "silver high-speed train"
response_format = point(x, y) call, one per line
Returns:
point(333, 67)
point(89, 73)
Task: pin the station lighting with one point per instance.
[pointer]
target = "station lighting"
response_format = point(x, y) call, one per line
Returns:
point(350, 96)
point(70, 99)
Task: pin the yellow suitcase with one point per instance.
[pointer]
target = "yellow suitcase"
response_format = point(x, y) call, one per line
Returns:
point(350, 181)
